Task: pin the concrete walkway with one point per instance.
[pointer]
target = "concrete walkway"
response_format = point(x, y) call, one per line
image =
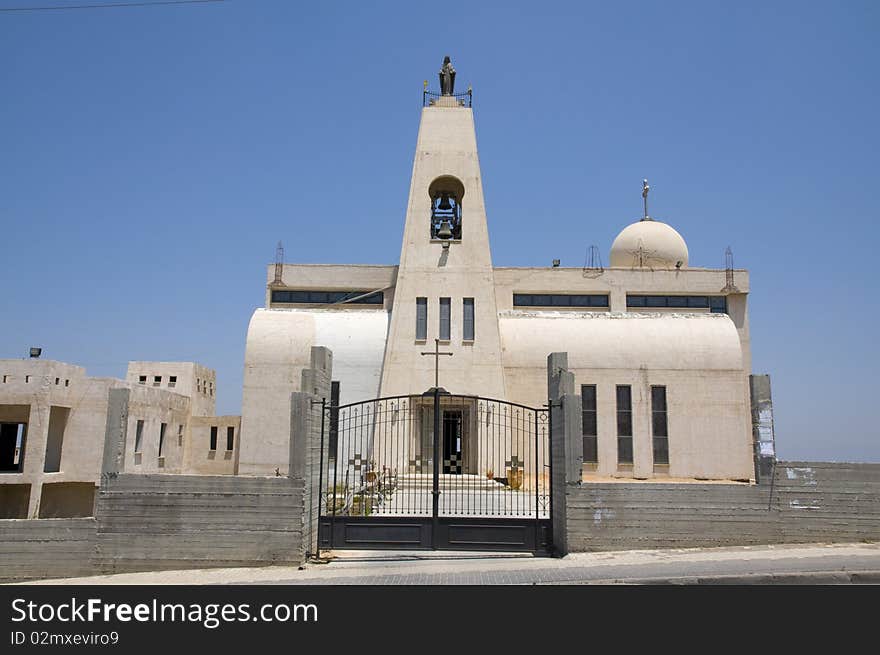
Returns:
point(812, 564)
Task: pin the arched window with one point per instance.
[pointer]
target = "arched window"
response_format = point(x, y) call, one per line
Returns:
point(446, 193)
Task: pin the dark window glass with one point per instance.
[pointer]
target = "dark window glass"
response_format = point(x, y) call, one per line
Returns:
point(698, 301)
point(327, 297)
point(718, 304)
point(138, 436)
point(560, 300)
point(625, 450)
point(624, 425)
point(467, 323)
point(635, 301)
point(677, 301)
point(213, 437)
point(445, 309)
point(334, 418)
point(230, 437)
point(162, 438)
point(589, 426)
point(659, 425)
point(655, 301)
point(421, 318)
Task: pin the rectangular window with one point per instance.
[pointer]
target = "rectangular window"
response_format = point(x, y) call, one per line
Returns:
point(589, 426)
point(624, 425)
point(213, 437)
point(157, 380)
point(715, 304)
point(230, 437)
point(467, 319)
point(138, 436)
point(142, 379)
point(359, 297)
point(560, 300)
point(659, 425)
point(172, 381)
point(421, 318)
point(445, 309)
point(162, 438)
point(334, 418)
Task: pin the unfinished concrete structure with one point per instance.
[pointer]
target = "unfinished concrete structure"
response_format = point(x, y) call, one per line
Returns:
point(53, 419)
point(659, 349)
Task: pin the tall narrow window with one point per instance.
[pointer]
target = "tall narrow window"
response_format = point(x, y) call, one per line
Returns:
point(138, 436)
point(213, 437)
point(162, 438)
point(230, 437)
point(589, 424)
point(467, 319)
point(624, 425)
point(179, 435)
point(421, 318)
point(445, 307)
point(334, 418)
point(659, 425)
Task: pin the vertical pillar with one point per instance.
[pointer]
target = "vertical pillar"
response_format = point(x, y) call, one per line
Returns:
point(115, 432)
point(305, 441)
point(763, 436)
point(566, 443)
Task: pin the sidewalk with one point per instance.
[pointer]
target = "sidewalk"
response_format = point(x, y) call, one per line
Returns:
point(785, 564)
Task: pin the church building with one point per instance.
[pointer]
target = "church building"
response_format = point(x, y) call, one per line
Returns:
point(659, 347)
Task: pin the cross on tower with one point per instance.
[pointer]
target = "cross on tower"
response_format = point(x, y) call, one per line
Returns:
point(436, 353)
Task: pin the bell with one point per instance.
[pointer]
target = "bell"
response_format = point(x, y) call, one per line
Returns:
point(445, 231)
point(444, 202)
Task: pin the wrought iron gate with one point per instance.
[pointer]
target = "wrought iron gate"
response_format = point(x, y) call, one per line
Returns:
point(435, 471)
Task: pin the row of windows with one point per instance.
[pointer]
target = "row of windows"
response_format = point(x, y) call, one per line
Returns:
point(329, 297)
point(445, 315)
point(716, 304)
point(203, 386)
point(139, 437)
point(659, 424)
point(27, 380)
point(559, 300)
point(230, 437)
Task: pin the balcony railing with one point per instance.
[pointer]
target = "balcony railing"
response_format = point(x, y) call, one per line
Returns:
point(466, 99)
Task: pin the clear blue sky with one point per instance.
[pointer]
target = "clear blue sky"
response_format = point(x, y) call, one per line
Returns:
point(152, 157)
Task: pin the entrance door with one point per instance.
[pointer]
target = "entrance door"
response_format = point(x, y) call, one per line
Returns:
point(452, 438)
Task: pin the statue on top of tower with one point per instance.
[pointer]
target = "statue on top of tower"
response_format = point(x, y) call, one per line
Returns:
point(447, 77)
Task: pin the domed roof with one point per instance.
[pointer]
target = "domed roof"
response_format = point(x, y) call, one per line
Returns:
point(649, 244)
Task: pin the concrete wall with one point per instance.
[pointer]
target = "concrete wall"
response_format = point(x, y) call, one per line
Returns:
point(153, 522)
point(46, 548)
point(807, 502)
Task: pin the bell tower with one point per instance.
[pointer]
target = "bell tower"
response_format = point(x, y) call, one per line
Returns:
point(445, 283)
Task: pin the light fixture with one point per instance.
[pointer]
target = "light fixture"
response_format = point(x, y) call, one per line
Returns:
point(556, 263)
point(36, 352)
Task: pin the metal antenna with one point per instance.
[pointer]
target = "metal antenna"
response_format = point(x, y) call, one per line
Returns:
point(645, 189)
point(279, 263)
point(593, 262)
point(729, 285)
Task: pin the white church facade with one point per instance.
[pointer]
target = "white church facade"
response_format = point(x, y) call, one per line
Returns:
point(659, 348)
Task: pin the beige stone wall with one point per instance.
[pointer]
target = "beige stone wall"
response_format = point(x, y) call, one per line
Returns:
point(200, 458)
point(194, 381)
point(155, 406)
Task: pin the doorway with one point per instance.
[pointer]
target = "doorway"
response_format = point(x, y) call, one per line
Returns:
point(452, 441)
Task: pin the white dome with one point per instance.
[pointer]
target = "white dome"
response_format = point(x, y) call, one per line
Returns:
point(649, 244)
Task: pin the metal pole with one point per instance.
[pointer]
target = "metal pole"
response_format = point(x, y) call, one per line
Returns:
point(537, 480)
point(435, 508)
point(321, 477)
